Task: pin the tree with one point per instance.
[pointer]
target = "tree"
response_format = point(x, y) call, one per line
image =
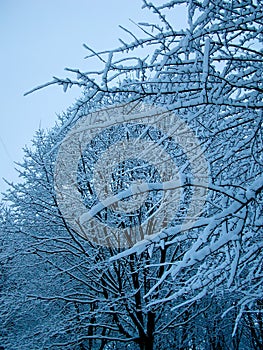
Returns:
point(85, 301)
point(171, 287)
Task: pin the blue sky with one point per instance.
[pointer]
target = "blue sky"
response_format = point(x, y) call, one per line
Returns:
point(38, 39)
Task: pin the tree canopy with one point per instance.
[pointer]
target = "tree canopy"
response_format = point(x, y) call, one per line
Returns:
point(177, 286)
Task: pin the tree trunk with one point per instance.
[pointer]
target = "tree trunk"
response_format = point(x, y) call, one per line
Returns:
point(146, 343)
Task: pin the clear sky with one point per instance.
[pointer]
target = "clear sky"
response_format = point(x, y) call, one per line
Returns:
point(38, 39)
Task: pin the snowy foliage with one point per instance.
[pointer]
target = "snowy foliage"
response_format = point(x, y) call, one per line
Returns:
point(183, 289)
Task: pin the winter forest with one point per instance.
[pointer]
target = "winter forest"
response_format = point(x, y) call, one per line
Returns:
point(137, 222)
